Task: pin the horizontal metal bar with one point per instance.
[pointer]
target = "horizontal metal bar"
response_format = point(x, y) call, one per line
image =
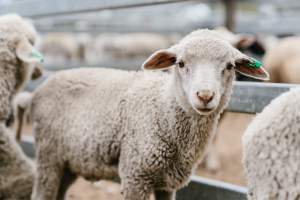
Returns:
point(163, 29)
point(27, 145)
point(198, 189)
point(38, 9)
point(252, 97)
point(202, 188)
point(247, 97)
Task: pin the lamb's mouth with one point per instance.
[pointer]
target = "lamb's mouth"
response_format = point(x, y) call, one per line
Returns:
point(205, 111)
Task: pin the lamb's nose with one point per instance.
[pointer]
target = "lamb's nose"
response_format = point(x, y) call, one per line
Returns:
point(205, 96)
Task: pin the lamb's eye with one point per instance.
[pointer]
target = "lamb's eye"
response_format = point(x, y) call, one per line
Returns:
point(31, 41)
point(229, 66)
point(181, 64)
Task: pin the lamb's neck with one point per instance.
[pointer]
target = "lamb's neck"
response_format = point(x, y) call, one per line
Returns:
point(186, 127)
point(7, 88)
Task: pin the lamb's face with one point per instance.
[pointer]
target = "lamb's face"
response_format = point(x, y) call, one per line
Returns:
point(203, 68)
point(17, 39)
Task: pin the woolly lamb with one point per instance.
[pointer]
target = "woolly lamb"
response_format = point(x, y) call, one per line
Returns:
point(271, 150)
point(17, 58)
point(150, 129)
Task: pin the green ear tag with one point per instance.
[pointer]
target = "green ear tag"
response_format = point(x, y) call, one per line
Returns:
point(255, 63)
point(37, 55)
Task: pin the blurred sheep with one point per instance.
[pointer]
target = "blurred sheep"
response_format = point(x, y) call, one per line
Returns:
point(282, 60)
point(106, 47)
point(59, 48)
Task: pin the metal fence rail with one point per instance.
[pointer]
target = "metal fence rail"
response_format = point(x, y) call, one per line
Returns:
point(198, 189)
point(38, 9)
point(247, 97)
point(252, 97)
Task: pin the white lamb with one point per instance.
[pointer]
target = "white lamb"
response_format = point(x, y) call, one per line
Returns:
point(150, 129)
point(272, 150)
point(17, 60)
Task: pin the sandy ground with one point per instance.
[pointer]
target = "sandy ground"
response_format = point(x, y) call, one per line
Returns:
point(228, 146)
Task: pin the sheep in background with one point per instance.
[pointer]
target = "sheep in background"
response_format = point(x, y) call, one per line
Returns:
point(246, 43)
point(150, 129)
point(18, 60)
point(60, 48)
point(271, 150)
point(282, 60)
point(106, 47)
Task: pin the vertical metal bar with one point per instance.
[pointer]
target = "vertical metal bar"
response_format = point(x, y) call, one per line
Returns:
point(230, 13)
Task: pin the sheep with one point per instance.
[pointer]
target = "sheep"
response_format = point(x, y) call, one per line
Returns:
point(147, 128)
point(106, 47)
point(271, 150)
point(16, 170)
point(282, 60)
point(244, 42)
point(61, 47)
point(18, 60)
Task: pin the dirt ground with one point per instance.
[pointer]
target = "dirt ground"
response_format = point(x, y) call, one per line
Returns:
point(228, 146)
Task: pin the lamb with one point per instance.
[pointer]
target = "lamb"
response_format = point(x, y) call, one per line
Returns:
point(148, 129)
point(271, 150)
point(18, 60)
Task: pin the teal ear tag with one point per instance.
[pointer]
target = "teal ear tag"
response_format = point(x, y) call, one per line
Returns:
point(255, 64)
point(37, 55)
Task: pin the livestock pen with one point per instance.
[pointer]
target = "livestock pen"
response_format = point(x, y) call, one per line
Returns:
point(247, 97)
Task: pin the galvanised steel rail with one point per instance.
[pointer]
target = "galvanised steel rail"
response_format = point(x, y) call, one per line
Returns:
point(252, 97)
point(38, 9)
point(247, 97)
point(198, 189)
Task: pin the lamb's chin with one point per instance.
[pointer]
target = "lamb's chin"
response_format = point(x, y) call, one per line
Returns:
point(204, 111)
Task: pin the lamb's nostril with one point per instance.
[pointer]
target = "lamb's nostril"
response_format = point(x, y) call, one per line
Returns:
point(205, 96)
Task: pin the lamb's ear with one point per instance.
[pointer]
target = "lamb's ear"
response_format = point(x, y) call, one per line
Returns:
point(27, 53)
point(251, 43)
point(160, 60)
point(251, 68)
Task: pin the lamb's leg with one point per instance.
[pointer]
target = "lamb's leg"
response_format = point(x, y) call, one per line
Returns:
point(212, 160)
point(47, 182)
point(67, 180)
point(164, 195)
point(134, 191)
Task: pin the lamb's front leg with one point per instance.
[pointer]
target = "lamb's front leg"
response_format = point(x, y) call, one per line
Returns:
point(164, 195)
point(133, 190)
point(48, 177)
